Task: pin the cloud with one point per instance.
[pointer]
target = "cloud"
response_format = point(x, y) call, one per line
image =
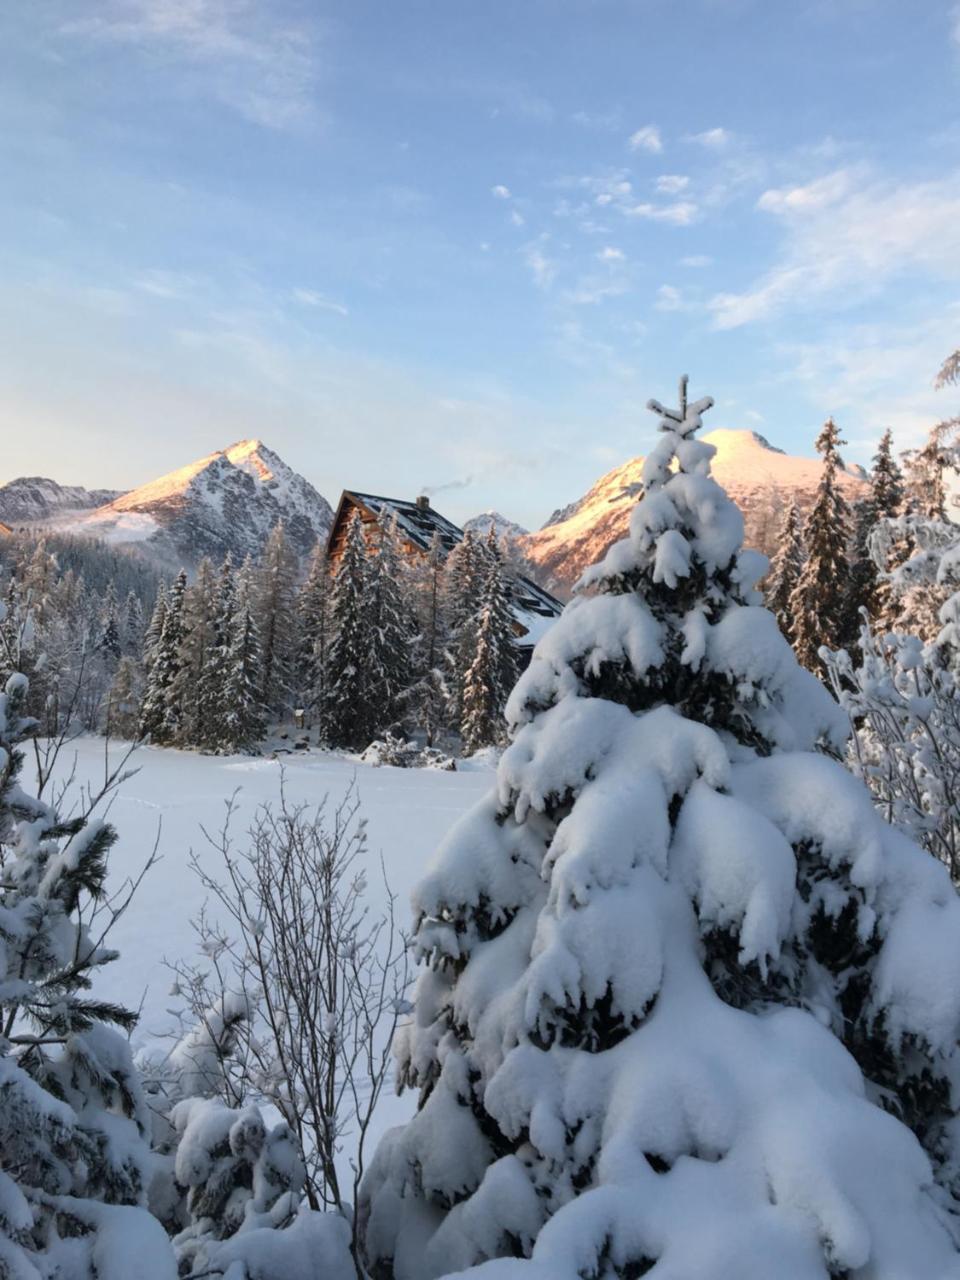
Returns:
point(680, 214)
point(500, 192)
point(517, 218)
point(669, 299)
point(610, 254)
point(542, 268)
point(232, 50)
point(168, 285)
point(696, 260)
point(646, 139)
point(310, 298)
point(597, 120)
point(845, 240)
point(712, 139)
point(671, 184)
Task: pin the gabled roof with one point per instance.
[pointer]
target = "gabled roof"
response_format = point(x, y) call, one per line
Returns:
point(420, 523)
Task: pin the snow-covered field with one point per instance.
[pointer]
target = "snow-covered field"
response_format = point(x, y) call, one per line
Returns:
point(408, 813)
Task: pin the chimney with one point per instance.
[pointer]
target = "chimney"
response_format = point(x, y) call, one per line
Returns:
point(423, 503)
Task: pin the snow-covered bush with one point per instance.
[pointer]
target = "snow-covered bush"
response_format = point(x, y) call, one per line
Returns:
point(404, 754)
point(689, 1007)
point(74, 1156)
point(904, 703)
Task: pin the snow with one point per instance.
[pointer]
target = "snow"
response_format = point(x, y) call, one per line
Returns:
point(175, 793)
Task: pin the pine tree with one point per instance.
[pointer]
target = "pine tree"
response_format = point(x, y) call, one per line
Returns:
point(652, 950)
point(243, 722)
point(191, 690)
point(161, 713)
point(429, 696)
point(818, 603)
point(392, 632)
point(151, 640)
point(122, 715)
point(886, 499)
point(464, 582)
point(132, 628)
point(493, 672)
point(314, 636)
point(216, 663)
point(73, 1120)
point(276, 617)
point(785, 569)
point(349, 709)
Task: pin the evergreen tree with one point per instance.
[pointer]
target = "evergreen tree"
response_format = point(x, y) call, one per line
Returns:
point(886, 500)
point(349, 710)
point(243, 723)
point(73, 1121)
point(389, 663)
point(132, 628)
point(192, 691)
point(313, 634)
point(818, 603)
point(216, 662)
point(276, 618)
point(464, 582)
point(161, 713)
point(151, 640)
point(493, 672)
point(122, 716)
point(429, 696)
point(662, 956)
point(785, 569)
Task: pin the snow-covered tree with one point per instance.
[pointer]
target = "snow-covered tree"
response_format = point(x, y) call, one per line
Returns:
point(122, 714)
point(313, 638)
point(275, 613)
point(161, 713)
point(685, 994)
point(241, 723)
point(349, 708)
point(429, 696)
point(192, 690)
point(74, 1160)
point(785, 569)
point(493, 672)
point(389, 665)
point(464, 581)
point(132, 626)
point(818, 604)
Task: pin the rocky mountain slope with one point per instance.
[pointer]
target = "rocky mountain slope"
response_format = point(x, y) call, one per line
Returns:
point(506, 530)
point(760, 478)
point(225, 502)
point(31, 500)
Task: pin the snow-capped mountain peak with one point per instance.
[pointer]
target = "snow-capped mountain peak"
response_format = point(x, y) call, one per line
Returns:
point(226, 501)
point(759, 477)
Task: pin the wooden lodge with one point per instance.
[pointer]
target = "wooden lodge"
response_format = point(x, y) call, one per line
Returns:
point(417, 523)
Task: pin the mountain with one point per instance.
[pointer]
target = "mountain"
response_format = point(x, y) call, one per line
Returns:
point(759, 477)
point(225, 502)
point(36, 499)
point(506, 530)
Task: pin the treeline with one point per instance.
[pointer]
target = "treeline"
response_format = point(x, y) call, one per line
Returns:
point(834, 567)
point(387, 644)
point(71, 610)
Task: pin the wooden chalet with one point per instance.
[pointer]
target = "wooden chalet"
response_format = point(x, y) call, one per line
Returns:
point(417, 522)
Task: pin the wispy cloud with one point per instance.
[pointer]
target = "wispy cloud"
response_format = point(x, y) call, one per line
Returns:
point(713, 139)
point(542, 268)
point(681, 213)
point(310, 298)
point(500, 192)
point(611, 254)
point(646, 139)
point(233, 50)
point(695, 260)
point(844, 240)
point(669, 298)
point(671, 184)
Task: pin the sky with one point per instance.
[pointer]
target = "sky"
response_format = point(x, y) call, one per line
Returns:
point(457, 244)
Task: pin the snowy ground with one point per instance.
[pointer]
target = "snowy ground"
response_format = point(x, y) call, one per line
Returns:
point(408, 813)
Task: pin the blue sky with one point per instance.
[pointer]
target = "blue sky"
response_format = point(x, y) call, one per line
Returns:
point(440, 242)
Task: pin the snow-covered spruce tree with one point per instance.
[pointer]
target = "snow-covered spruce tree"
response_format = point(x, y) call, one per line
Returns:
point(241, 725)
point(313, 639)
point(429, 696)
point(160, 714)
point(676, 964)
point(151, 639)
point(133, 627)
point(785, 569)
point(74, 1160)
point(275, 613)
point(818, 603)
point(216, 662)
point(122, 710)
point(190, 691)
point(349, 708)
point(464, 582)
point(493, 672)
point(389, 665)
